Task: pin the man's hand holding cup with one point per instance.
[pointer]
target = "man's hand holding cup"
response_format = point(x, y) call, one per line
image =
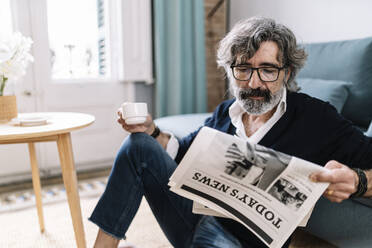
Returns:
point(134, 118)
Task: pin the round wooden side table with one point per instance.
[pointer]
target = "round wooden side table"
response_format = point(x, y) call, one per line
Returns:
point(58, 127)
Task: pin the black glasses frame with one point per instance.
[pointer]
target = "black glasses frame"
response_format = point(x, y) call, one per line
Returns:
point(258, 72)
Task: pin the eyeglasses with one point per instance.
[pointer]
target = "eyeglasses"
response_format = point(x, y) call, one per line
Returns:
point(266, 74)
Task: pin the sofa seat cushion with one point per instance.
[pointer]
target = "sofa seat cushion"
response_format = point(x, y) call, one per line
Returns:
point(182, 125)
point(346, 224)
point(333, 91)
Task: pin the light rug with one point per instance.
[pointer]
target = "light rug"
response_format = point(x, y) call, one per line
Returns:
point(19, 226)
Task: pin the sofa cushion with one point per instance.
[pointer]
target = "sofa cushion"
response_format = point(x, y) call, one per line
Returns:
point(332, 91)
point(182, 125)
point(349, 61)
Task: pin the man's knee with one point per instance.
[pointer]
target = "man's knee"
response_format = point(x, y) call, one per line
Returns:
point(141, 143)
point(137, 148)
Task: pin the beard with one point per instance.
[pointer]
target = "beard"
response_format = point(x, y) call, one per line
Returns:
point(257, 107)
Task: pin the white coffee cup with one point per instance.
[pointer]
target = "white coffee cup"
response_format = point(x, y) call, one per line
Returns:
point(134, 112)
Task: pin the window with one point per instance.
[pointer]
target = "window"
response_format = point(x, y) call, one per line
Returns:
point(78, 34)
point(87, 41)
point(5, 19)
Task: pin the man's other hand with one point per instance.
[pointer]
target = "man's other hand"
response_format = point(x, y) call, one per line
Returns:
point(343, 181)
point(147, 127)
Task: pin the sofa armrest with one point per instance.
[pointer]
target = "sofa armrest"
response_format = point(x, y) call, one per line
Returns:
point(365, 201)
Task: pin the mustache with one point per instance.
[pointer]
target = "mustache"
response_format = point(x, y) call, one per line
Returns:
point(245, 94)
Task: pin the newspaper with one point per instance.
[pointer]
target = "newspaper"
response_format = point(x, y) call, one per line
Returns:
point(267, 191)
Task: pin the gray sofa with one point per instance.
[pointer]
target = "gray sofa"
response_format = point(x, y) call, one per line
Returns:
point(340, 73)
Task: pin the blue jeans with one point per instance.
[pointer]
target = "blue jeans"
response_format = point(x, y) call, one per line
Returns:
point(142, 168)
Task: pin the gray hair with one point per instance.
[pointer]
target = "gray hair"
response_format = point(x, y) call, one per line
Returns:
point(246, 37)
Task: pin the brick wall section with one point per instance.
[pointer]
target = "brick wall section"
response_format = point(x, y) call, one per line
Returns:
point(215, 29)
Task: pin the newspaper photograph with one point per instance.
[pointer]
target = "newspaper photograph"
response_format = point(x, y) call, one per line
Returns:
point(267, 191)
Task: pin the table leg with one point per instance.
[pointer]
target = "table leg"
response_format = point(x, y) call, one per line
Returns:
point(71, 186)
point(36, 184)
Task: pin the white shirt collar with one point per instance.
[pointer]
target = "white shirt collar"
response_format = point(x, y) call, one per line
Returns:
point(236, 113)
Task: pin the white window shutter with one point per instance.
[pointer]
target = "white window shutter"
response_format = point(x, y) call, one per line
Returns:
point(137, 40)
point(101, 40)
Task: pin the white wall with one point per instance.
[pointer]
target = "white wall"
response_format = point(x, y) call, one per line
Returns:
point(311, 20)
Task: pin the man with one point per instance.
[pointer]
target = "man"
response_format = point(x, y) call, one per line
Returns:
point(261, 59)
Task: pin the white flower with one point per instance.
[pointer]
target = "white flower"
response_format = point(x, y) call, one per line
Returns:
point(5, 53)
point(15, 56)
